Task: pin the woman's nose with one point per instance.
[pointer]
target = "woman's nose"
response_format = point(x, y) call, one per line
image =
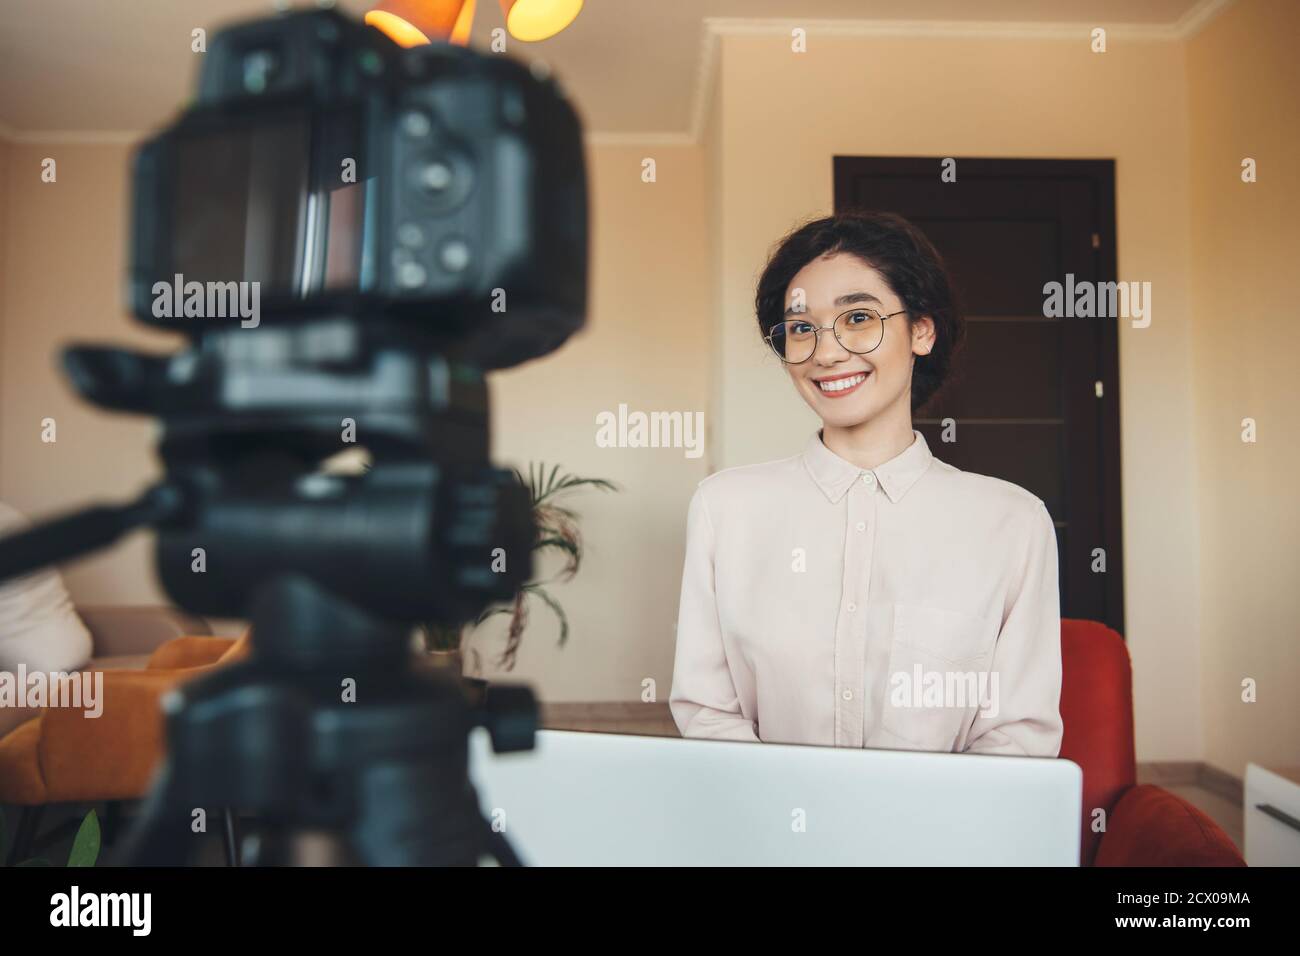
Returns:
point(827, 353)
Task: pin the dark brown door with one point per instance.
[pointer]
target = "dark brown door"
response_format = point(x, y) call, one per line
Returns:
point(1034, 400)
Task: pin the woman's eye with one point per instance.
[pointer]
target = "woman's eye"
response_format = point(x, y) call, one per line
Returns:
point(800, 328)
point(857, 318)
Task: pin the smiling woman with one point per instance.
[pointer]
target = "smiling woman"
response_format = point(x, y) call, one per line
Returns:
point(817, 587)
point(904, 330)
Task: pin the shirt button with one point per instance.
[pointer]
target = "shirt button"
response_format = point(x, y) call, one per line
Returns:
point(848, 695)
point(862, 526)
point(852, 608)
point(868, 479)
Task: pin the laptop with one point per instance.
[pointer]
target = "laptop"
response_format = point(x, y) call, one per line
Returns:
point(598, 799)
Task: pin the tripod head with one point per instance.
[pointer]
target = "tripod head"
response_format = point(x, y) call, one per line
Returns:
point(248, 422)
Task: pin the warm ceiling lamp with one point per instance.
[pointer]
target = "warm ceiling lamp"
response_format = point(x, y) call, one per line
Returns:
point(413, 22)
point(532, 20)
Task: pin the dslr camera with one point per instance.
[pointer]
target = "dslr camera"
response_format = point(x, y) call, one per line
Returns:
point(343, 174)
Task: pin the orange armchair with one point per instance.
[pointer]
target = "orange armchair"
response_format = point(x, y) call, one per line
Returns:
point(62, 756)
point(1145, 825)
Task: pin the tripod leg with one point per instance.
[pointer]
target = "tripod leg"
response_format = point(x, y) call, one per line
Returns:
point(161, 835)
point(230, 832)
point(497, 846)
point(112, 825)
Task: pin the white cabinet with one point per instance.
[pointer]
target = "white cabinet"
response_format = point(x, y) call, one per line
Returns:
point(1272, 812)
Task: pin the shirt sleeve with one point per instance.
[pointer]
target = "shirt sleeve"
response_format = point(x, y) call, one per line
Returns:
point(1024, 717)
point(703, 699)
point(38, 626)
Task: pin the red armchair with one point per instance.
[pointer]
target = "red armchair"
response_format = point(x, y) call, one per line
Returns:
point(1145, 825)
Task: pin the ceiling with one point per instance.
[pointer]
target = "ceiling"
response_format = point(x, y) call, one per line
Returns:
point(105, 68)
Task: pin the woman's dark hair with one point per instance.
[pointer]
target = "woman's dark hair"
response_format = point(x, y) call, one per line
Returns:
point(898, 251)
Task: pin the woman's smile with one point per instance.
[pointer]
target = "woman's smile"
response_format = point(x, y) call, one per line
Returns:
point(845, 383)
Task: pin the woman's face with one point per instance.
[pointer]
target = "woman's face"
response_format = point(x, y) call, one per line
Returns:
point(877, 381)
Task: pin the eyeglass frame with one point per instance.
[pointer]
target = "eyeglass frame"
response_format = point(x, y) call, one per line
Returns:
point(818, 330)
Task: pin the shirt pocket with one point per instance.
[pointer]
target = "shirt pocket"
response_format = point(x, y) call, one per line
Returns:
point(937, 673)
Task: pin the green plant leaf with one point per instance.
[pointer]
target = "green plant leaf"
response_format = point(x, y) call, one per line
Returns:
point(557, 530)
point(559, 612)
point(563, 544)
point(85, 845)
point(573, 481)
point(489, 611)
point(557, 484)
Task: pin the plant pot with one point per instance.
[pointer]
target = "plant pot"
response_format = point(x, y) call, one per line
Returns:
point(451, 662)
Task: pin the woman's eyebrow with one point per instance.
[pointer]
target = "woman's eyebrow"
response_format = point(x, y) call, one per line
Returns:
point(847, 299)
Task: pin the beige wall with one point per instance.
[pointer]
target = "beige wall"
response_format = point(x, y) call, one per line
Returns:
point(784, 116)
point(5, 150)
point(1244, 85)
point(64, 256)
point(646, 345)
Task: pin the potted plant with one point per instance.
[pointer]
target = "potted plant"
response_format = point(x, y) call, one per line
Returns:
point(557, 530)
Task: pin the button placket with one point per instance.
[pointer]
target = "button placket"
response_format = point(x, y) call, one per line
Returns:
point(844, 629)
point(851, 637)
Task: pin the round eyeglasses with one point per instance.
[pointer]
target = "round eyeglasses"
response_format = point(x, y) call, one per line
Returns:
point(858, 330)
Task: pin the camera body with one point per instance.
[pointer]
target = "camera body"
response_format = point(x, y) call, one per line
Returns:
point(323, 170)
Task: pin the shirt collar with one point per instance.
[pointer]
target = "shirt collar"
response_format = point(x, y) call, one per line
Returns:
point(835, 476)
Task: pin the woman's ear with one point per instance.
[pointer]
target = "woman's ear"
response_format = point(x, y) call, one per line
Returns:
point(923, 335)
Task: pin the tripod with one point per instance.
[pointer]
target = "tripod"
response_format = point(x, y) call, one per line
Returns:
point(326, 726)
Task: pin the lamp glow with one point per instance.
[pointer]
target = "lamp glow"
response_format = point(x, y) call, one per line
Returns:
point(532, 20)
point(395, 28)
point(415, 22)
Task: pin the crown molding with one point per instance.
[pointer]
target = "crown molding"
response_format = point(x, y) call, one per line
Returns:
point(715, 28)
point(928, 29)
point(597, 138)
point(1191, 22)
point(706, 76)
point(1188, 24)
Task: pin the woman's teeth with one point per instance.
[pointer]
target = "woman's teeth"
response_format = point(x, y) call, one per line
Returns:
point(842, 384)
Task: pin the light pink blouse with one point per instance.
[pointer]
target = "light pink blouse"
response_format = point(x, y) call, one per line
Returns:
point(913, 606)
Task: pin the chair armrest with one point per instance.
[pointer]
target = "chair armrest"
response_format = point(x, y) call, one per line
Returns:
point(183, 652)
point(112, 756)
point(1150, 826)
